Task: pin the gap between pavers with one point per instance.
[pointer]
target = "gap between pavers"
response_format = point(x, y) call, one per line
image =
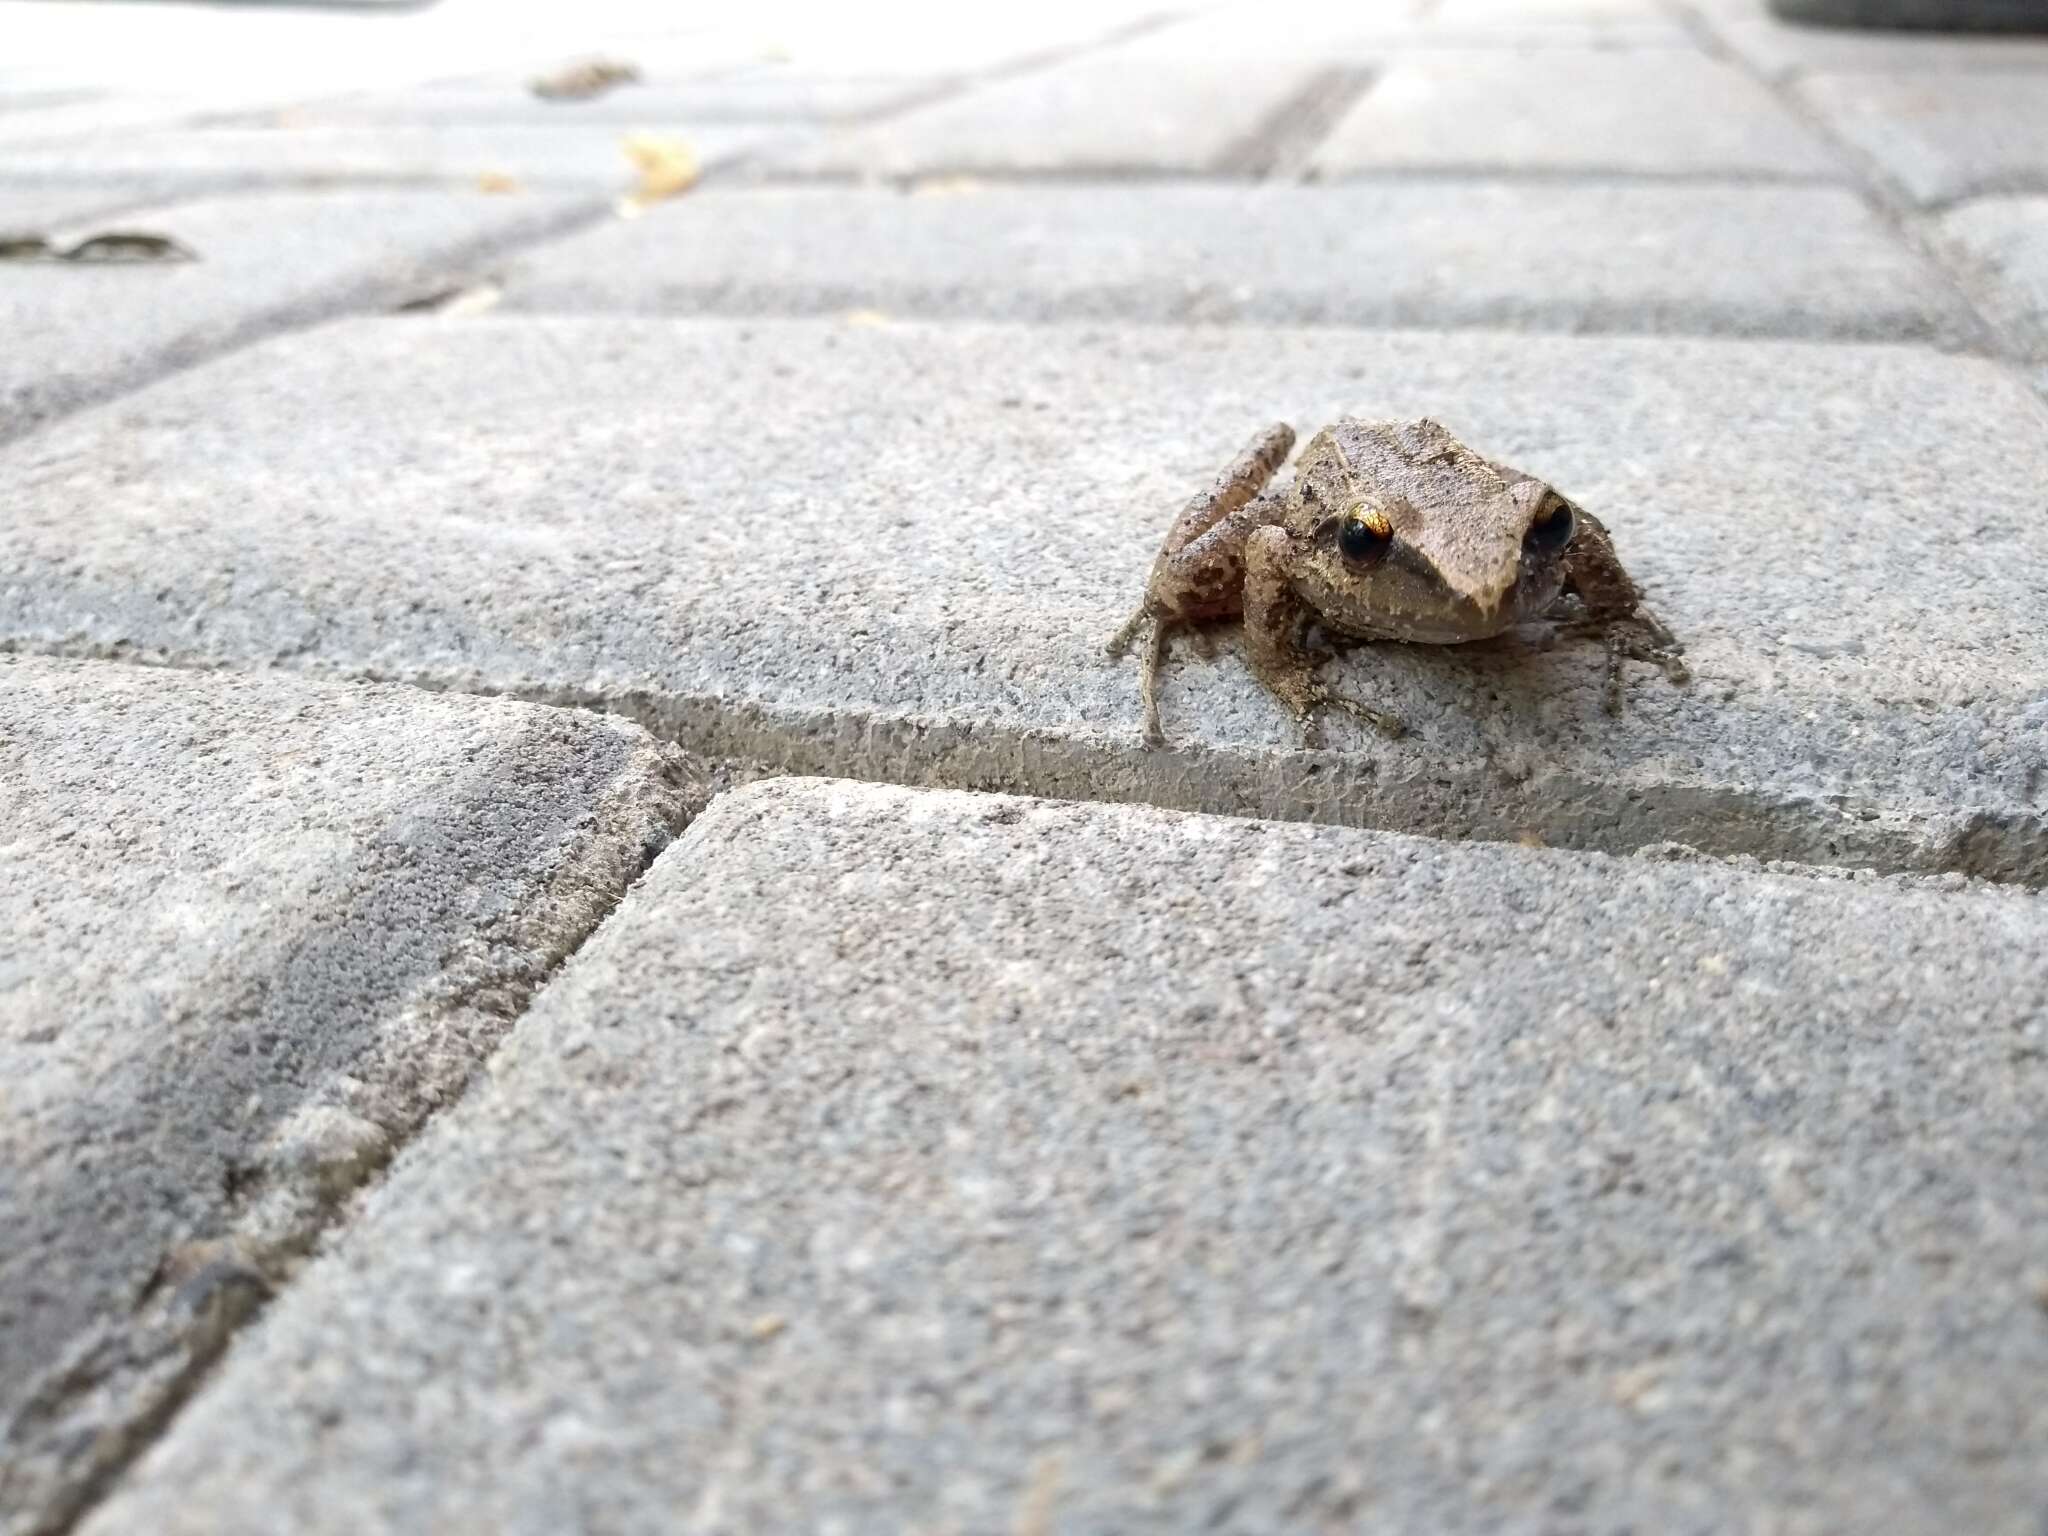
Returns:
point(894, 552)
point(1573, 256)
point(1942, 136)
point(2001, 245)
point(1116, 109)
point(256, 930)
point(79, 332)
point(899, 1160)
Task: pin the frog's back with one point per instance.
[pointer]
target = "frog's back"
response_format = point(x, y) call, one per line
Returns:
point(1418, 461)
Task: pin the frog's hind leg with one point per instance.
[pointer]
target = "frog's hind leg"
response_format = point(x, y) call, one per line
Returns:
point(1150, 660)
point(1199, 572)
point(1612, 607)
point(1241, 480)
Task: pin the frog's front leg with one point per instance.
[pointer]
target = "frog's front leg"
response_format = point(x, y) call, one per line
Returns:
point(1274, 618)
point(1199, 572)
point(1613, 609)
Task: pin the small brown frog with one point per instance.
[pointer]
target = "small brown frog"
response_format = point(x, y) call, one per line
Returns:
point(1390, 530)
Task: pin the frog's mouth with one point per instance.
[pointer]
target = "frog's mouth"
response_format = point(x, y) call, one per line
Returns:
point(1423, 604)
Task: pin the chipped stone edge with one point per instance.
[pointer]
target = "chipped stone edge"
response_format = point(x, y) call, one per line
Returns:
point(1462, 800)
point(99, 1408)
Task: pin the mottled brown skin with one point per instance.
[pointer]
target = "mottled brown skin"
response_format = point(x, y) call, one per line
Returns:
point(1389, 530)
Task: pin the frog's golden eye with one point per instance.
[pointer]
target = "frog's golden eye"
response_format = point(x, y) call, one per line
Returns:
point(1552, 527)
point(1365, 534)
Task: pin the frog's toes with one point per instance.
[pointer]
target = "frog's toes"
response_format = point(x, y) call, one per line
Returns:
point(1120, 642)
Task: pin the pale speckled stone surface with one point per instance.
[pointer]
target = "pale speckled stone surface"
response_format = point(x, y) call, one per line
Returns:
point(1572, 110)
point(899, 1161)
point(1123, 109)
point(585, 157)
point(1626, 256)
point(77, 333)
point(252, 930)
point(1940, 136)
point(895, 551)
point(775, 94)
point(2001, 244)
point(1780, 50)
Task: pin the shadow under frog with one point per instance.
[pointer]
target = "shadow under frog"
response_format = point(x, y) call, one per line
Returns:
point(1389, 530)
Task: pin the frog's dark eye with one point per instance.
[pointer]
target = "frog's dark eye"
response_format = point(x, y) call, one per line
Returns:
point(1552, 527)
point(1364, 535)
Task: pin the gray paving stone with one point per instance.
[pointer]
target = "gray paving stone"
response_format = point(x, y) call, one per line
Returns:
point(1318, 35)
point(759, 95)
point(1631, 256)
point(900, 1161)
point(589, 157)
point(895, 552)
point(77, 333)
point(1577, 110)
point(256, 930)
point(2002, 245)
point(1595, 23)
point(1782, 51)
point(1133, 108)
point(951, 39)
point(1943, 136)
point(35, 208)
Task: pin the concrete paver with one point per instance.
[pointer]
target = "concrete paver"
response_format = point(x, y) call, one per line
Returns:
point(588, 157)
point(1594, 23)
point(2002, 243)
point(1782, 51)
point(777, 94)
point(1760, 260)
point(33, 208)
point(1578, 110)
point(904, 1161)
point(895, 551)
point(1319, 35)
point(252, 930)
point(1943, 136)
point(80, 332)
point(1131, 108)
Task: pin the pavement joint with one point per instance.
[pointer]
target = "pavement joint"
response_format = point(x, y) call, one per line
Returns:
point(1887, 200)
point(1980, 836)
point(1282, 145)
point(70, 1430)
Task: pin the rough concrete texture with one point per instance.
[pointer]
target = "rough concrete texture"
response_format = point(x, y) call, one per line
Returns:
point(951, 39)
point(1781, 51)
point(1942, 136)
point(35, 208)
point(895, 551)
point(1576, 23)
point(78, 332)
point(256, 930)
point(767, 94)
point(589, 157)
point(900, 1161)
point(1575, 110)
point(1316, 35)
point(1122, 109)
point(1761, 260)
point(2001, 244)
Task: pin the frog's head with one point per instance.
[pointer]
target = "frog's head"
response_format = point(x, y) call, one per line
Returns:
point(1407, 534)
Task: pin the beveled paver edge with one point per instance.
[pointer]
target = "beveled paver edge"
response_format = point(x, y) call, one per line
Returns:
point(117, 1388)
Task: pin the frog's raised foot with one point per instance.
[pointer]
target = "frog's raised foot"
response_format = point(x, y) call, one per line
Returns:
point(1387, 725)
point(1631, 637)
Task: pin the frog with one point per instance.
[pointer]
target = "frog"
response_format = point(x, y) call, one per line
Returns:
point(1387, 531)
